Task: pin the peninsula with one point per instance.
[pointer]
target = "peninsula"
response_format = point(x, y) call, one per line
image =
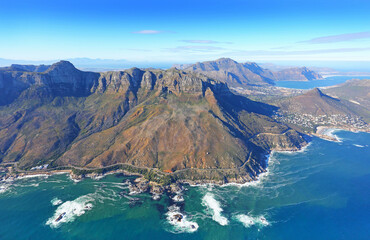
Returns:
point(167, 125)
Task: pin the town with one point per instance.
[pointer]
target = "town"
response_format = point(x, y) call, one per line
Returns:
point(309, 122)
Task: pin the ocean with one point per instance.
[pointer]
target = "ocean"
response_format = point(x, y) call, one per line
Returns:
point(328, 81)
point(321, 192)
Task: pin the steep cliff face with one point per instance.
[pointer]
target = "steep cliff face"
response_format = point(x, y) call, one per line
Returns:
point(65, 80)
point(61, 78)
point(166, 120)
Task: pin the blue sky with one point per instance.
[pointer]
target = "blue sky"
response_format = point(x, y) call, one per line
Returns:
point(186, 31)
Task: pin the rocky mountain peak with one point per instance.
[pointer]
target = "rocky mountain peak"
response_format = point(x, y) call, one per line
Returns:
point(315, 92)
point(226, 61)
point(62, 66)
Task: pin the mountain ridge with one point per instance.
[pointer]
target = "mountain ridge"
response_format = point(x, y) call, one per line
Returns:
point(248, 73)
point(168, 120)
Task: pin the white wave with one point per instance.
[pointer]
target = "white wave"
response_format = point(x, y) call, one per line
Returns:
point(214, 207)
point(97, 177)
point(156, 197)
point(56, 201)
point(33, 176)
point(3, 188)
point(178, 198)
point(103, 195)
point(179, 221)
point(249, 221)
point(270, 160)
point(302, 150)
point(331, 133)
point(358, 145)
point(68, 211)
point(75, 180)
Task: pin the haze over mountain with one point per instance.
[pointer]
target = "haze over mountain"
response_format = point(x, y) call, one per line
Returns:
point(356, 91)
point(249, 73)
point(166, 120)
point(91, 64)
point(316, 103)
point(296, 74)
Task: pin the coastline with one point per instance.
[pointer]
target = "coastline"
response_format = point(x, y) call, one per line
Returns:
point(323, 132)
point(326, 132)
point(242, 180)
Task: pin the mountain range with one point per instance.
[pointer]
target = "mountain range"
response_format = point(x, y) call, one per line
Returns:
point(171, 120)
point(248, 74)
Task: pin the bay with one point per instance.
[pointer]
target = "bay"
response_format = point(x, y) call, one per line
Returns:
point(328, 81)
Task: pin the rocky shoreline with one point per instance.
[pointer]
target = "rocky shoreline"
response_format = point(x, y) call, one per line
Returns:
point(137, 186)
point(140, 184)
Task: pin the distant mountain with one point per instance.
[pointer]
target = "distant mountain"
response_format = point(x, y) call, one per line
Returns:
point(276, 68)
point(91, 64)
point(356, 91)
point(26, 68)
point(141, 119)
point(243, 74)
point(182, 66)
point(296, 74)
point(323, 71)
point(61, 78)
point(233, 73)
point(316, 103)
point(81, 62)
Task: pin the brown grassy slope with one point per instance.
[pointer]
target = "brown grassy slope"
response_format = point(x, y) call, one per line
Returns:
point(356, 91)
point(314, 102)
point(168, 120)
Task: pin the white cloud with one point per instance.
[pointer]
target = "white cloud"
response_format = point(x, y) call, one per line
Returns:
point(192, 48)
point(338, 38)
point(200, 41)
point(149, 32)
point(298, 52)
point(204, 41)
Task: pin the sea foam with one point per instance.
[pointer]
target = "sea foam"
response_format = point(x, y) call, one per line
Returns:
point(183, 225)
point(331, 133)
point(215, 209)
point(3, 188)
point(358, 145)
point(56, 201)
point(70, 210)
point(249, 221)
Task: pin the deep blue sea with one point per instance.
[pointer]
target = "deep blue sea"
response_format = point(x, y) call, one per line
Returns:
point(329, 81)
point(322, 192)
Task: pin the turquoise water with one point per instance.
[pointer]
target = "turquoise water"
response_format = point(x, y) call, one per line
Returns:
point(320, 193)
point(329, 81)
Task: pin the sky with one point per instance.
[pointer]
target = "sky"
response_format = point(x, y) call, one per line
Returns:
point(186, 31)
